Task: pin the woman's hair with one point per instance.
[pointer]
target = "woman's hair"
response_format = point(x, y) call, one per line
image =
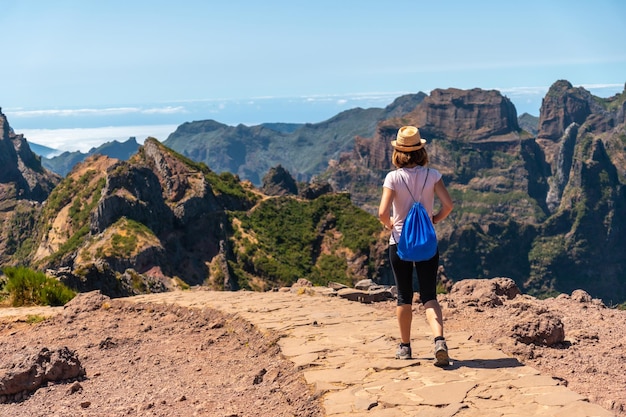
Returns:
point(403, 159)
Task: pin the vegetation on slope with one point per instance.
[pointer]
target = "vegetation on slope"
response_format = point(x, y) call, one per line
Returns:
point(83, 194)
point(284, 239)
point(24, 287)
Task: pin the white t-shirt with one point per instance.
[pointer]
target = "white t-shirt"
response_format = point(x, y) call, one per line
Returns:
point(402, 201)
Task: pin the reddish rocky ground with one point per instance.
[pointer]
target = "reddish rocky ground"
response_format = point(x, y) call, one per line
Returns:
point(155, 360)
point(206, 363)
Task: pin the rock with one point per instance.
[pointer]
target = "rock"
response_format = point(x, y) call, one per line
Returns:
point(30, 368)
point(477, 114)
point(76, 387)
point(365, 296)
point(316, 189)
point(581, 296)
point(258, 378)
point(484, 292)
point(364, 284)
point(278, 181)
point(85, 302)
point(562, 106)
point(20, 167)
point(140, 183)
point(336, 285)
point(443, 279)
point(533, 323)
point(302, 282)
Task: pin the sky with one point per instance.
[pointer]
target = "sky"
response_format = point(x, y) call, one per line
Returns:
point(75, 74)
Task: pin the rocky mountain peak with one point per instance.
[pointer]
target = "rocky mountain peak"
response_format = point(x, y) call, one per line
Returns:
point(175, 176)
point(478, 114)
point(278, 181)
point(563, 105)
point(139, 222)
point(21, 173)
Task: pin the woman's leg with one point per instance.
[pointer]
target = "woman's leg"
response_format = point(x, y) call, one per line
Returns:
point(403, 275)
point(427, 278)
point(434, 317)
point(405, 318)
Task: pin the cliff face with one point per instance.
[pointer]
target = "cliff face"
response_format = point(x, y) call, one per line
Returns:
point(24, 185)
point(547, 204)
point(21, 174)
point(562, 106)
point(477, 114)
point(131, 226)
point(581, 242)
point(467, 132)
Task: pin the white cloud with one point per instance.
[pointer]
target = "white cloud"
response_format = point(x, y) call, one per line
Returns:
point(164, 110)
point(83, 139)
point(524, 91)
point(602, 86)
point(111, 111)
point(342, 99)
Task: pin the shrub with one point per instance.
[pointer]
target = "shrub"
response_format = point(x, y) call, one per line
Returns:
point(181, 284)
point(28, 287)
point(35, 318)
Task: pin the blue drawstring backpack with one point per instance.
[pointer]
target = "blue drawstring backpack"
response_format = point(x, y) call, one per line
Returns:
point(418, 241)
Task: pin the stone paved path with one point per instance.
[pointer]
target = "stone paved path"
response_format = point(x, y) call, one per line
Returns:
point(346, 352)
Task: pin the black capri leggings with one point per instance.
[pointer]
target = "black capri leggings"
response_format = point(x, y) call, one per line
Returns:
point(403, 274)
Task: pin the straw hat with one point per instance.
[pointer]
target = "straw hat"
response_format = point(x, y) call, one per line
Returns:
point(408, 139)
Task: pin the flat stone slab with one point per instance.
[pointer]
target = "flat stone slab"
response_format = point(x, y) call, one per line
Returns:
point(346, 350)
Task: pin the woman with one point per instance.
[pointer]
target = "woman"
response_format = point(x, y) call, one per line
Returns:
point(410, 157)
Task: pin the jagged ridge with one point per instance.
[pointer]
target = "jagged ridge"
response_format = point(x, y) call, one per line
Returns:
point(543, 210)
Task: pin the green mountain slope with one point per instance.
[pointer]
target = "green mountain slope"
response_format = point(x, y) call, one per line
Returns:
point(303, 150)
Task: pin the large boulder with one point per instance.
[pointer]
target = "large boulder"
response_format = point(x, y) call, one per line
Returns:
point(533, 323)
point(30, 368)
point(484, 292)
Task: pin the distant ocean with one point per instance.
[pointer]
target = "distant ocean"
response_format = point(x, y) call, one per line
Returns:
point(82, 128)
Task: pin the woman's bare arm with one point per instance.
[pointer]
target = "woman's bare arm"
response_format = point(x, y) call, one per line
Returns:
point(446, 202)
point(384, 209)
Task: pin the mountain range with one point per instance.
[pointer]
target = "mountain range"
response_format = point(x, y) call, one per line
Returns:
point(536, 200)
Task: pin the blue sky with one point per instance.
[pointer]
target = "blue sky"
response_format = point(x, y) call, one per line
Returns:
point(76, 65)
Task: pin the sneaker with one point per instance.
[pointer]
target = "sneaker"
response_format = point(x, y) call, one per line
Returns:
point(441, 353)
point(404, 352)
